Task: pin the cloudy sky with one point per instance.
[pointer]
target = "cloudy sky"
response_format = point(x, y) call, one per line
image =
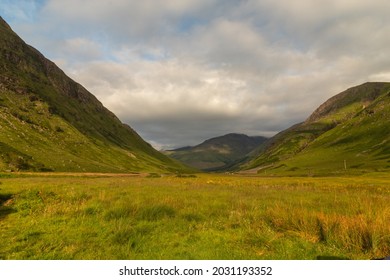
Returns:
point(182, 71)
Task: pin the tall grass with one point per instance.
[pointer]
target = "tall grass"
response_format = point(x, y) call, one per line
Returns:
point(208, 217)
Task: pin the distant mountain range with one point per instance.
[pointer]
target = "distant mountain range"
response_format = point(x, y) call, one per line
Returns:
point(217, 153)
point(348, 134)
point(48, 122)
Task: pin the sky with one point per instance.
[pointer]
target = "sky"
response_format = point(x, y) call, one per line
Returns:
point(182, 71)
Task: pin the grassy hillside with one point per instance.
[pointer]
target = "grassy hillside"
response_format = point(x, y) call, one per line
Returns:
point(218, 152)
point(348, 134)
point(50, 122)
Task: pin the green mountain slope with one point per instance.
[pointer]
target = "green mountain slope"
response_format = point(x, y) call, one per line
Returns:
point(50, 122)
point(348, 134)
point(218, 152)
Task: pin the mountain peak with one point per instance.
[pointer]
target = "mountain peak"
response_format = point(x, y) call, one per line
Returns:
point(4, 23)
point(361, 94)
point(218, 152)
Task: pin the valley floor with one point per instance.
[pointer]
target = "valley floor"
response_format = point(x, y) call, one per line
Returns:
point(207, 216)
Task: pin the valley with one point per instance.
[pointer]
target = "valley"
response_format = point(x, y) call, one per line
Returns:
point(78, 184)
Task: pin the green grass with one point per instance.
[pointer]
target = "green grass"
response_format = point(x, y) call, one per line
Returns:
point(203, 217)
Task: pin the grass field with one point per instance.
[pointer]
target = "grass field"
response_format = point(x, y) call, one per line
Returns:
point(203, 217)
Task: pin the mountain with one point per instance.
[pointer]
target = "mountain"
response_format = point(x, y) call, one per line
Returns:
point(50, 122)
point(348, 134)
point(218, 152)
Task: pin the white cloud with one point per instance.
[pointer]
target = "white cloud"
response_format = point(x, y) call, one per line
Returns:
point(155, 89)
point(78, 49)
point(380, 77)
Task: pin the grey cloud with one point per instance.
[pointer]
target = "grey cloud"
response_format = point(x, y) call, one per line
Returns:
point(124, 20)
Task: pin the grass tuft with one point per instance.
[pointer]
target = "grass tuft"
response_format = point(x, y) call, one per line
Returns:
point(156, 212)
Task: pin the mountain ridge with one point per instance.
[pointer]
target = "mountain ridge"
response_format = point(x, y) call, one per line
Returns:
point(335, 139)
point(42, 109)
point(218, 152)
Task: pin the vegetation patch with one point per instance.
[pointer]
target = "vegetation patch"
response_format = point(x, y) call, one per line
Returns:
point(156, 212)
